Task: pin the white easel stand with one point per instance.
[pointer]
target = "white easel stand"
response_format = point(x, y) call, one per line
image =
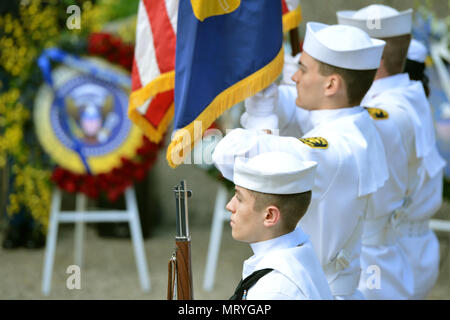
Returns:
point(80, 216)
point(220, 215)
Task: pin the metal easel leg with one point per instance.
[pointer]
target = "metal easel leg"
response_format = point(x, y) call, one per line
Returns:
point(80, 206)
point(52, 234)
point(215, 238)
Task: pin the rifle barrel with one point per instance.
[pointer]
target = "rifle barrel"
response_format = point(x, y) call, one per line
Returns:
point(185, 208)
point(182, 219)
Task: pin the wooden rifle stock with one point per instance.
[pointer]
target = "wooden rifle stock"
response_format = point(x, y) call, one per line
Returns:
point(184, 270)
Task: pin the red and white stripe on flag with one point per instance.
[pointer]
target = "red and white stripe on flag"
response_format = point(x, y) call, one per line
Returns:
point(153, 76)
point(151, 105)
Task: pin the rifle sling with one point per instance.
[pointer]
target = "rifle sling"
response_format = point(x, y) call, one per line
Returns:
point(171, 280)
point(248, 282)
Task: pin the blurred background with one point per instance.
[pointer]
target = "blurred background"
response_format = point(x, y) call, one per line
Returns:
point(29, 172)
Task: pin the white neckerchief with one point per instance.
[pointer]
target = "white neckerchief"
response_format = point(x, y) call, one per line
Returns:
point(260, 249)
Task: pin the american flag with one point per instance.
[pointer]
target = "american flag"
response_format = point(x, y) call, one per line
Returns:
point(153, 77)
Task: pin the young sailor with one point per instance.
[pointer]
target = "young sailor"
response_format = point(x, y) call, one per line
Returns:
point(337, 67)
point(415, 64)
point(401, 211)
point(272, 192)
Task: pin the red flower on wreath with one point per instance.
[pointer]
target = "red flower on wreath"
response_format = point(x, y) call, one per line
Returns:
point(112, 48)
point(114, 183)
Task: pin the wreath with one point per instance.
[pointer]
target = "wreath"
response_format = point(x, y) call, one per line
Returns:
point(133, 168)
point(27, 28)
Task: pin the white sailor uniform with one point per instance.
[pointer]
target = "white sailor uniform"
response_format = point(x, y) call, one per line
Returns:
point(285, 267)
point(423, 196)
point(344, 143)
point(381, 247)
point(351, 166)
point(391, 218)
point(296, 274)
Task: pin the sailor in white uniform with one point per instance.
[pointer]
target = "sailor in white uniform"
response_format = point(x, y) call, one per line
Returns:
point(272, 193)
point(415, 63)
point(401, 211)
point(331, 129)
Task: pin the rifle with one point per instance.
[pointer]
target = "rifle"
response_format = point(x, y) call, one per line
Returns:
point(180, 269)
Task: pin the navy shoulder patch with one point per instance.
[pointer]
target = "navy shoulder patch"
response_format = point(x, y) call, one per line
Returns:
point(315, 142)
point(377, 114)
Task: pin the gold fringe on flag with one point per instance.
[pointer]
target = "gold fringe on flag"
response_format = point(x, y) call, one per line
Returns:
point(162, 83)
point(292, 19)
point(185, 138)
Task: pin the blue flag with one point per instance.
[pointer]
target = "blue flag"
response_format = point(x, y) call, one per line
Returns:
point(226, 51)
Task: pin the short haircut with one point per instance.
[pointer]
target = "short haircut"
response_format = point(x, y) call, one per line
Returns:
point(292, 206)
point(395, 52)
point(357, 82)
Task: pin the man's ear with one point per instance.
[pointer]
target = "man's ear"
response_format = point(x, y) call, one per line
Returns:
point(333, 84)
point(272, 216)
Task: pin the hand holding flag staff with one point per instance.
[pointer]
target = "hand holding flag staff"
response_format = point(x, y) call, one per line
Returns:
point(227, 50)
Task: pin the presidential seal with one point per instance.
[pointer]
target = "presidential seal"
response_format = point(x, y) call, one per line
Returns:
point(82, 121)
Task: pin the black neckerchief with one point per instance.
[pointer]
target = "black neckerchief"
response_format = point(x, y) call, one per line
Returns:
point(248, 282)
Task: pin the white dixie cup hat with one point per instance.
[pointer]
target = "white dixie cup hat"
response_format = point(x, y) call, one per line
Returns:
point(342, 46)
point(417, 51)
point(379, 21)
point(275, 172)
